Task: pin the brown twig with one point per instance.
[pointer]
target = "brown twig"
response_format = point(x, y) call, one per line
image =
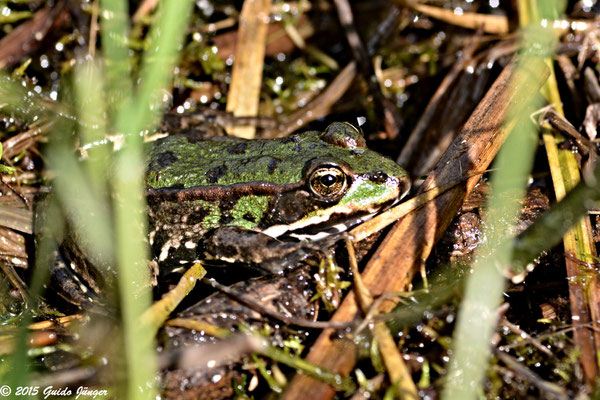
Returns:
point(527, 338)
point(274, 314)
point(16, 144)
point(19, 195)
point(144, 9)
point(427, 155)
point(27, 37)
point(550, 390)
point(391, 119)
point(497, 24)
point(564, 127)
point(246, 75)
point(16, 281)
point(397, 370)
point(320, 105)
point(57, 322)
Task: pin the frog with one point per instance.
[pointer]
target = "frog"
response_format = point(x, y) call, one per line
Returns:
point(240, 201)
point(263, 203)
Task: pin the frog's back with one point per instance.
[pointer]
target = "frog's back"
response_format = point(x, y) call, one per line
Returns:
point(184, 162)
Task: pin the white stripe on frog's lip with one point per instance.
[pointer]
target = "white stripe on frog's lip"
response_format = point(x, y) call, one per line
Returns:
point(312, 238)
point(332, 230)
point(278, 230)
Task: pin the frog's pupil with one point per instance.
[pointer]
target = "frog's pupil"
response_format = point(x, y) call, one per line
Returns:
point(328, 180)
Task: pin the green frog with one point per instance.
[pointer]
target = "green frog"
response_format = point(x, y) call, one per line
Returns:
point(263, 203)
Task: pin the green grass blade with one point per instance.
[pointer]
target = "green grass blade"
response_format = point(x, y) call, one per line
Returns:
point(477, 316)
point(157, 70)
point(115, 38)
point(138, 114)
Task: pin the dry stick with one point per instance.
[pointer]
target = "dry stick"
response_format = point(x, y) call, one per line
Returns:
point(320, 105)
point(410, 241)
point(261, 309)
point(497, 24)
point(144, 9)
point(397, 370)
point(16, 281)
point(549, 389)
point(25, 220)
point(25, 39)
point(59, 322)
point(18, 143)
point(578, 241)
point(585, 146)
point(246, 76)
point(558, 122)
point(525, 337)
point(158, 313)
point(584, 296)
point(414, 143)
point(391, 119)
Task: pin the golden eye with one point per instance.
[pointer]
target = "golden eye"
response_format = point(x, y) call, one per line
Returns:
point(328, 182)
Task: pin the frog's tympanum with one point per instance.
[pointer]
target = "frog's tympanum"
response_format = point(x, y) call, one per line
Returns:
point(264, 203)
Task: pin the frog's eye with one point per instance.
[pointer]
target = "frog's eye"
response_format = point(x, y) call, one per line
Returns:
point(328, 182)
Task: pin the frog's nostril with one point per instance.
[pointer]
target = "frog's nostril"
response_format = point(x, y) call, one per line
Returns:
point(378, 177)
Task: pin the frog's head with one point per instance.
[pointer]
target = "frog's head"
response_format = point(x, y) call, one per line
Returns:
point(343, 183)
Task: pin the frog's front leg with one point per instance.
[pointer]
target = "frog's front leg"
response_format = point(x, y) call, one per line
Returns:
point(238, 244)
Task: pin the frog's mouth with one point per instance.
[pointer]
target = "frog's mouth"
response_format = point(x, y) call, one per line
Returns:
point(317, 232)
point(336, 219)
point(323, 226)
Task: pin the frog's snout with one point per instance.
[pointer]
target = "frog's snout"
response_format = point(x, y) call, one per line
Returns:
point(400, 181)
point(403, 186)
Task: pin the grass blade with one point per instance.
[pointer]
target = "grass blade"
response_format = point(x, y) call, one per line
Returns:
point(477, 315)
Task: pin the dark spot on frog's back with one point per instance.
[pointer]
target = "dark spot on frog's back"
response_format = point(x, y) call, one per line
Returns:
point(249, 217)
point(225, 219)
point(272, 165)
point(239, 148)
point(290, 139)
point(162, 161)
point(196, 217)
point(213, 175)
